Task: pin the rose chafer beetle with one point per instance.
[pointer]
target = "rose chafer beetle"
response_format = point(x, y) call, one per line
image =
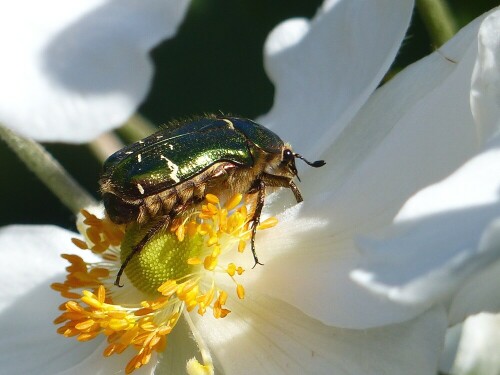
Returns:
point(170, 172)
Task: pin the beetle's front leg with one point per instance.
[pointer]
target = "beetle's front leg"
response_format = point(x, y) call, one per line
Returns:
point(162, 223)
point(281, 181)
point(260, 187)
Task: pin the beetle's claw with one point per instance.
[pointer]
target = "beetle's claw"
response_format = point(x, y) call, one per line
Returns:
point(257, 262)
point(117, 282)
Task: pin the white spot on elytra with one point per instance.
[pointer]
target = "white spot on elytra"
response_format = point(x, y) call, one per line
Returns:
point(171, 146)
point(128, 152)
point(159, 136)
point(229, 122)
point(140, 188)
point(174, 167)
point(139, 158)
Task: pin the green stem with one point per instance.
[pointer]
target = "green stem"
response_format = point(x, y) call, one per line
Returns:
point(137, 127)
point(438, 20)
point(105, 145)
point(48, 170)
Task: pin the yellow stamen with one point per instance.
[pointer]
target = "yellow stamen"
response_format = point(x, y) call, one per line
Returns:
point(212, 199)
point(178, 266)
point(240, 291)
point(268, 223)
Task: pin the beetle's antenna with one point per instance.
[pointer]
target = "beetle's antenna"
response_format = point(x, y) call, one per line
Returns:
point(316, 164)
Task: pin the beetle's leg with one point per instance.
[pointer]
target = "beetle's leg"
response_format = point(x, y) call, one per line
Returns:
point(281, 181)
point(137, 248)
point(260, 187)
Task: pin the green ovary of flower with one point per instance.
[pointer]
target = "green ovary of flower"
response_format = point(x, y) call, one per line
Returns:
point(163, 257)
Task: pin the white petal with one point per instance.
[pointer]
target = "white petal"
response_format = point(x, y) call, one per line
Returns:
point(380, 161)
point(307, 264)
point(449, 353)
point(478, 349)
point(480, 293)
point(30, 256)
point(413, 131)
point(29, 343)
point(72, 70)
point(325, 69)
point(96, 364)
point(278, 339)
point(180, 348)
point(443, 235)
point(485, 93)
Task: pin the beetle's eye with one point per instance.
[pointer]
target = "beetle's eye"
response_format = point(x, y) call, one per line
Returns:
point(288, 155)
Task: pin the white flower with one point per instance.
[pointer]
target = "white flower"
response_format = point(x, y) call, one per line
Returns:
point(73, 70)
point(443, 247)
point(477, 352)
point(301, 313)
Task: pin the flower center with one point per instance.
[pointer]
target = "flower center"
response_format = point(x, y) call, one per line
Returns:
point(164, 257)
point(177, 270)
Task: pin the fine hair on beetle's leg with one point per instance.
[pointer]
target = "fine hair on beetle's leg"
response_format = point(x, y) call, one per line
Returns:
point(261, 190)
point(137, 248)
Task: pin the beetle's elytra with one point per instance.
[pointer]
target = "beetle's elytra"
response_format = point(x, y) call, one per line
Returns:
point(169, 172)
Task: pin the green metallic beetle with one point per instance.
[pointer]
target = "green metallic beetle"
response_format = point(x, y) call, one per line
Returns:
point(170, 172)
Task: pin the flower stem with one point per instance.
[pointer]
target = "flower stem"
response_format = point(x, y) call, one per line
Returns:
point(137, 127)
point(105, 145)
point(48, 170)
point(438, 20)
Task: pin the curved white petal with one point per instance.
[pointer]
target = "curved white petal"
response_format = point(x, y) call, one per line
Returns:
point(443, 235)
point(478, 349)
point(325, 69)
point(480, 293)
point(485, 92)
point(276, 338)
point(96, 364)
point(307, 264)
point(375, 165)
point(30, 255)
point(72, 70)
point(29, 343)
point(180, 348)
point(413, 131)
point(449, 353)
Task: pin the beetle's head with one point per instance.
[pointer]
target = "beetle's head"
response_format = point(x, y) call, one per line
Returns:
point(288, 162)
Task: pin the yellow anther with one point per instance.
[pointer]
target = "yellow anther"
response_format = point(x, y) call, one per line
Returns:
point(192, 228)
point(213, 240)
point(212, 208)
point(240, 291)
point(180, 232)
point(212, 199)
point(241, 246)
point(193, 367)
point(216, 251)
point(194, 261)
point(168, 287)
point(210, 263)
point(268, 223)
point(231, 269)
point(79, 243)
point(233, 202)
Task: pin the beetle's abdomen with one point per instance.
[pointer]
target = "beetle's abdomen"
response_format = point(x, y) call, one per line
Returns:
point(119, 211)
